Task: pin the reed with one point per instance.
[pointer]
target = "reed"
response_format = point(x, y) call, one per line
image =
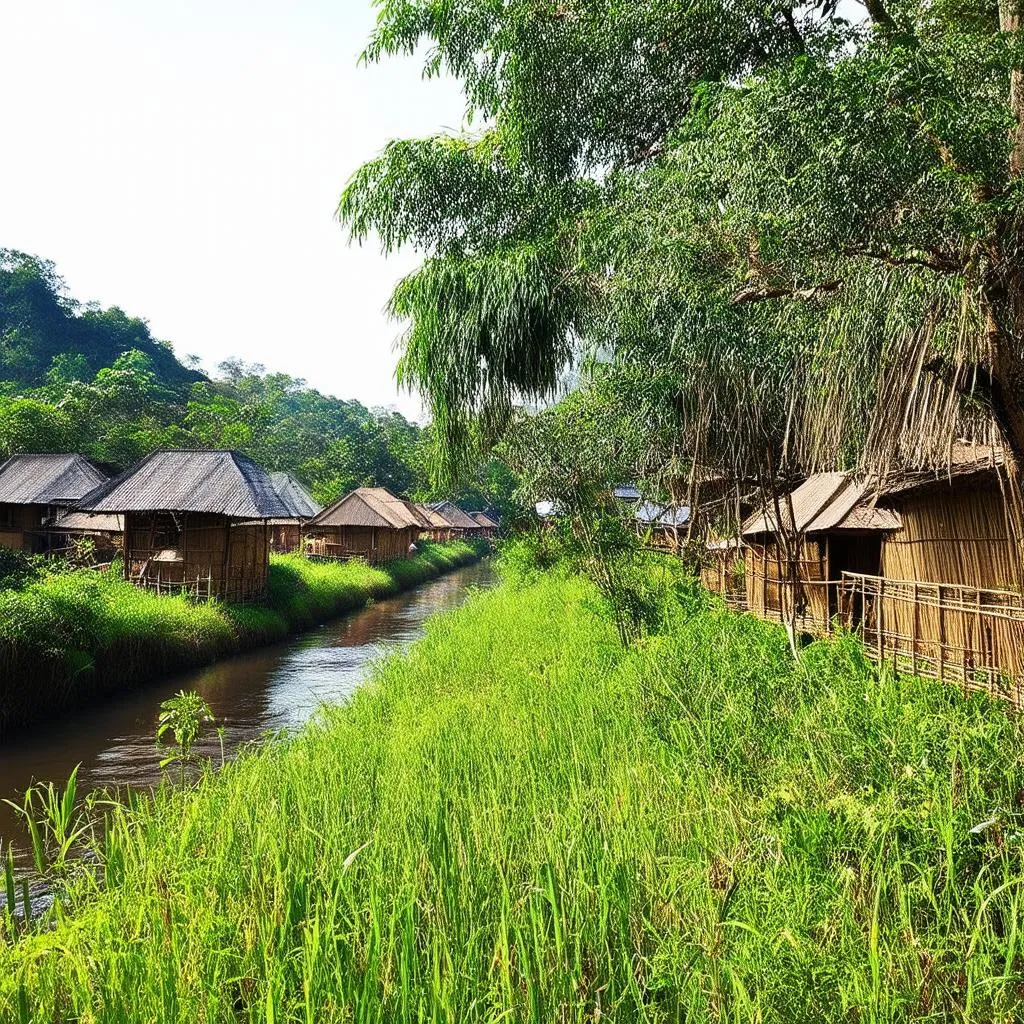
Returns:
point(522, 820)
point(68, 637)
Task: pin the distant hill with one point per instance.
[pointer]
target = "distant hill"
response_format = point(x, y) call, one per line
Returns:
point(45, 333)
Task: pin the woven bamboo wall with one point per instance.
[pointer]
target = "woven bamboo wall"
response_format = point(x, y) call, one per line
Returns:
point(723, 574)
point(15, 520)
point(770, 592)
point(954, 537)
point(375, 544)
point(216, 558)
point(948, 575)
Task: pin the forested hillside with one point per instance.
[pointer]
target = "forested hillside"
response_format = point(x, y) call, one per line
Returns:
point(75, 377)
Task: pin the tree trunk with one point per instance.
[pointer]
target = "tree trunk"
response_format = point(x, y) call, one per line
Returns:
point(1003, 287)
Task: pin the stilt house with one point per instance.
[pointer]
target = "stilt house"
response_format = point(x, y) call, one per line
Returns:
point(195, 522)
point(369, 523)
point(830, 525)
point(286, 534)
point(35, 490)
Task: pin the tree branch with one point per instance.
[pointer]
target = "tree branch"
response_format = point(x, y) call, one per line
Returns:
point(879, 16)
point(755, 293)
point(940, 262)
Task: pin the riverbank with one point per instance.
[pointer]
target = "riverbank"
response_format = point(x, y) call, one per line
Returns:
point(69, 637)
point(521, 820)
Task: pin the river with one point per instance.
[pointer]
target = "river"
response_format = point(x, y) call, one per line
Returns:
point(262, 691)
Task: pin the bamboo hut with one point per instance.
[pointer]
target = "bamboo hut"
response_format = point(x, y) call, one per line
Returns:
point(662, 527)
point(460, 523)
point(194, 522)
point(104, 533)
point(368, 523)
point(286, 533)
point(723, 571)
point(35, 490)
point(830, 525)
point(487, 525)
point(946, 599)
point(436, 527)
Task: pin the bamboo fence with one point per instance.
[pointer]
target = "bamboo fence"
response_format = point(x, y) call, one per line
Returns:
point(951, 632)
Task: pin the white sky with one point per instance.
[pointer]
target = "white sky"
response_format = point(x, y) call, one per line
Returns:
point(183, 161)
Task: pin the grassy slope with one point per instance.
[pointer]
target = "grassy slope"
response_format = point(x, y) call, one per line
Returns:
point(70, 636)
point(517, 821)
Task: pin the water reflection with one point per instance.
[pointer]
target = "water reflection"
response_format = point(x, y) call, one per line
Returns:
point(270, 689)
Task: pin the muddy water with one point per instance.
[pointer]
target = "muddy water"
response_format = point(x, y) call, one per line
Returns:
point(263, 691)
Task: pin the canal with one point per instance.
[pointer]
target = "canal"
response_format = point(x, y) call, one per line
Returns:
point(251, 695)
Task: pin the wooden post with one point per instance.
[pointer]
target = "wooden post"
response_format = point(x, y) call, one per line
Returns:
point(942, 637)
point(880, 604)
point(913, 653)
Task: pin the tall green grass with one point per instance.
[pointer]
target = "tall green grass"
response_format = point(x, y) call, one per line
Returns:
point(66, 637)
point(518, 820)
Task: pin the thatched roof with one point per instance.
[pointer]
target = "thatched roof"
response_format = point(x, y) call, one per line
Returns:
point(967, 463)
point(822, 503)
point(222, 483)
point(47, 479)
point(84, 522)
point(296, 498)
point(484, 520)
point(456, 518)
point(433, 520)
point(369, 506)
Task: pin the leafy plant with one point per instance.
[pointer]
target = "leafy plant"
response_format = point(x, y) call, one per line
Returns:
point(183, 717)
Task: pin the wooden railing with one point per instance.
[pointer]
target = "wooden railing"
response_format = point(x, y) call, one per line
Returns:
point(969, 635)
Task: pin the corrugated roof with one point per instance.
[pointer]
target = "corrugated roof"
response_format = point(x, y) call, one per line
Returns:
point(455, 516)
point(627, 492)
point(47, 479)
point(651, 513)
point(484, 520)
point(823, 502)
point(216, 482)
point(369, 506)
point(295, 497)
point(86, 523)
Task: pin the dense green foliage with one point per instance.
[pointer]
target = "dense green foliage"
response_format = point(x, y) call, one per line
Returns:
point(79, 633)
point(800, 224)
point(522, 820)
point(95, 381)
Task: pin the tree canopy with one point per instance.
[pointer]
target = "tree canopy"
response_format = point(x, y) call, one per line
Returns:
point(803, 220)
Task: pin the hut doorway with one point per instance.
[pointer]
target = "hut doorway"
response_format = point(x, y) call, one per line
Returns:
point(851, 552)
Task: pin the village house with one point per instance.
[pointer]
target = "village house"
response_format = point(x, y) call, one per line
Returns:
point(369, 523)
point(286, 533)
point(487, 525)
point(194, 521)
point(35, 489)
point(946, 599)
point(436, 527)
point(830, 525)
point(460, 523)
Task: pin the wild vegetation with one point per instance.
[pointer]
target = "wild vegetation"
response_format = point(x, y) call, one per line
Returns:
point(95, 381)
point(79, 633)
point(523, 819)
